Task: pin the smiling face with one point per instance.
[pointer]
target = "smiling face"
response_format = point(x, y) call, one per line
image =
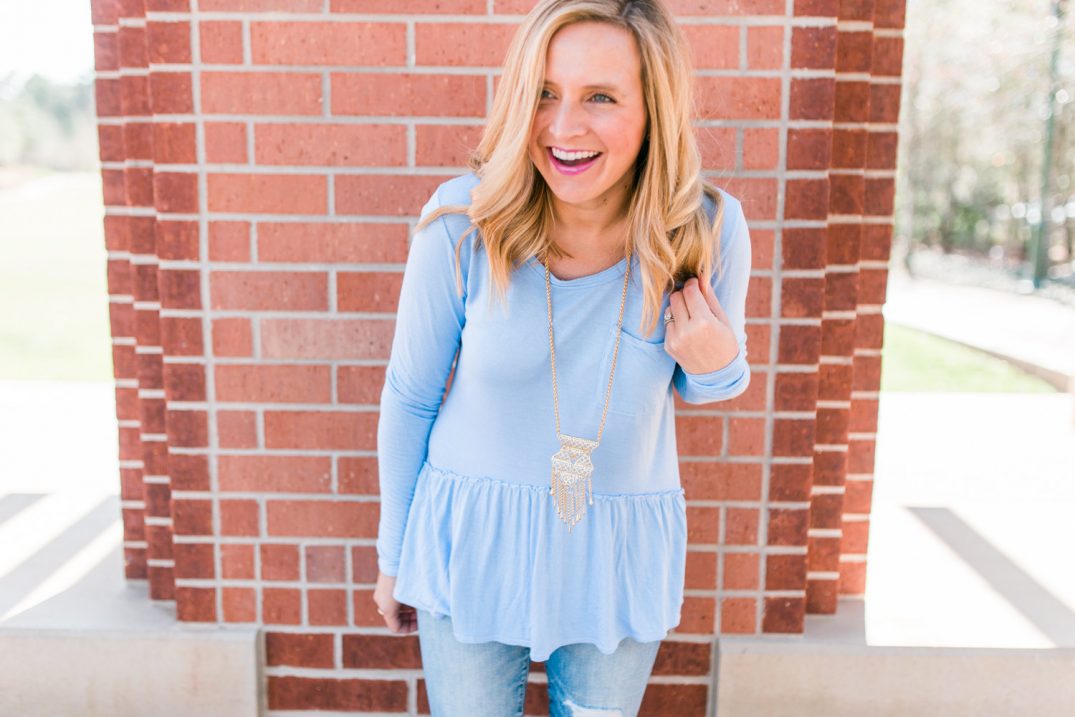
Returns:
point(592, 102)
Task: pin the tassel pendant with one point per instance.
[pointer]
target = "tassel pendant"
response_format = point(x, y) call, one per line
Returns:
point(571, 477)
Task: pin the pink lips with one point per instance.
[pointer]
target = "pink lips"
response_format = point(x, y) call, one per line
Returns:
point(565, 169)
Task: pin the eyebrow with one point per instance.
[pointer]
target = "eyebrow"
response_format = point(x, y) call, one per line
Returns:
point(613, 88)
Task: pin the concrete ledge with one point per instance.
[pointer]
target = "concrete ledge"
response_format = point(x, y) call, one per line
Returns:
point(102, 648)
point(831, 671)
point(44, 673)
point(804, 681)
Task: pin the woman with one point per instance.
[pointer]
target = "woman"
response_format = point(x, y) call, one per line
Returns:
point(536, 513)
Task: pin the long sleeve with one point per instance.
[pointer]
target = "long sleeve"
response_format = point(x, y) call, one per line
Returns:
point(731, 291)
point(429, 323)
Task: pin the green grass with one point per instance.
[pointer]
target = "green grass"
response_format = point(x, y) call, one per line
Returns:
point(915, 361)
point(53, 282)
point(54, 302)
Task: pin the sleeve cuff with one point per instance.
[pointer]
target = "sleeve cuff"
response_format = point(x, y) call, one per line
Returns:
point(724, 376)
point(720, 385)
point(389, 569)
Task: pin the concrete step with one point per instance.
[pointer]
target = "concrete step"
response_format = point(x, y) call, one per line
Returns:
point(831, 671)
point(76, 637)
point(101, 648)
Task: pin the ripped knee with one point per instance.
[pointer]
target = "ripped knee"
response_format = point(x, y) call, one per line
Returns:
point(580, 711)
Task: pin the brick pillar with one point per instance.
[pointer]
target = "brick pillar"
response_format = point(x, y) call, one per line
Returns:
point(112, 153)
point(846, 173)
point(127, 169)
point(878, 208)
point(263, 162)
point(869, 50)
point(138, 174)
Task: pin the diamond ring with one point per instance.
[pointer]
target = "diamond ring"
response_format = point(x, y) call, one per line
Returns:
point(668, 318)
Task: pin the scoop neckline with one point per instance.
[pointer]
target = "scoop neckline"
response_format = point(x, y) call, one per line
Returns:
point(611, 273)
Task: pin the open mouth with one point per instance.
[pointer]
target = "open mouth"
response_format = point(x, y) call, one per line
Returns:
point(572, 166)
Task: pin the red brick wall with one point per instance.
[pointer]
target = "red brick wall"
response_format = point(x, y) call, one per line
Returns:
point(263, 161)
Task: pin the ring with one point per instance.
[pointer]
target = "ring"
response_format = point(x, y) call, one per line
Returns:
point(668, 318)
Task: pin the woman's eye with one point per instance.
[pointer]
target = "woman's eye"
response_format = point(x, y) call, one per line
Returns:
point(599, 94)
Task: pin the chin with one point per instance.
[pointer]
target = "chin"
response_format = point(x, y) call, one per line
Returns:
point(575, 189)
point(576, 195)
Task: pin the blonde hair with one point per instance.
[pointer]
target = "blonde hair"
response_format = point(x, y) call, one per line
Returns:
point(511, 207)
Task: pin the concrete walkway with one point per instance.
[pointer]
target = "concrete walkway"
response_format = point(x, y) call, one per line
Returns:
point(972, 491)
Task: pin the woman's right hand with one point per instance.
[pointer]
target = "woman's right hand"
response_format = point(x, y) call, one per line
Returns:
point(399, 618)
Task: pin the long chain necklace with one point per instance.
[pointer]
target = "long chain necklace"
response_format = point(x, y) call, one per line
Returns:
point(572, 468)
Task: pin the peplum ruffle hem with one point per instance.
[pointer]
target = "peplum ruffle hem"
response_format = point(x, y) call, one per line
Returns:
point(620, 570)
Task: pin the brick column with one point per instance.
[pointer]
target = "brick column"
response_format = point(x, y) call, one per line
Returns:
point(878, 207)
point(263, 161)
point(838, 323)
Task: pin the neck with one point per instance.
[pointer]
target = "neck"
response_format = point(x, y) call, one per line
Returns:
point(591, 231)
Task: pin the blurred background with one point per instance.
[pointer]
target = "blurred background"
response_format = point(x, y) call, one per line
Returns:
point(976, 440)
point(986, 153)
point(54, 323)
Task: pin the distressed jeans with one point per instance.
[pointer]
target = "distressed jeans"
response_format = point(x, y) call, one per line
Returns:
point(489, 679)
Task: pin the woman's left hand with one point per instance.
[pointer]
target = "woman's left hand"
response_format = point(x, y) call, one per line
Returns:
point(700, 338)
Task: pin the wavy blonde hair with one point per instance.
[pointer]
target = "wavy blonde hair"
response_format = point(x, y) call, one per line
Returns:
point(511, 207)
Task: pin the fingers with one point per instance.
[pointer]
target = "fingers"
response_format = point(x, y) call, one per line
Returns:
point(391, 619)
point(692, 295)
point(695, 299)
point(680, 311)
point(402, 619)
point(713, 302)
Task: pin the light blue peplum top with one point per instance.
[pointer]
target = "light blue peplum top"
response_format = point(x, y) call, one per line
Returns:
point(467, 524)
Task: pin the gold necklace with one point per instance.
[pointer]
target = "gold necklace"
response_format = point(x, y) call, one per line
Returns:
point(572, 468)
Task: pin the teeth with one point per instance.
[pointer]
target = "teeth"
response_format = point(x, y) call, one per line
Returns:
point(560, 154)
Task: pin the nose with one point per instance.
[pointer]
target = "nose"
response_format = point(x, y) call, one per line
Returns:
point(567, 121)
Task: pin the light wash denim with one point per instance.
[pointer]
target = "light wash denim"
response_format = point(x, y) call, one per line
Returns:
point(489, 679)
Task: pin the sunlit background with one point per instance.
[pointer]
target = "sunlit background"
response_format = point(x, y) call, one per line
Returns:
point(976, 447)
